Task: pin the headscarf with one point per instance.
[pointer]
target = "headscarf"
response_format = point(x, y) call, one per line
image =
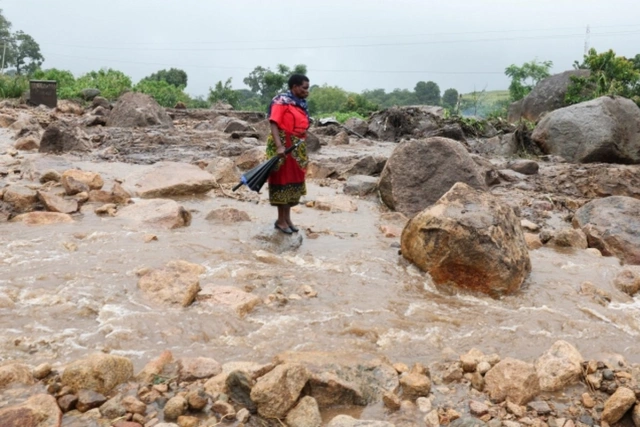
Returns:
point(288, 98)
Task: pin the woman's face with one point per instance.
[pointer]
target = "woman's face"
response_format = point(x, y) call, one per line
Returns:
point(301, 91)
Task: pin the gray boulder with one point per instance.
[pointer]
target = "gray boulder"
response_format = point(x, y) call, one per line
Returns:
point(138, 110)
point(61, 137)
point(89, 94)
point(547, 96)
point(419, 172)
point(606, 129)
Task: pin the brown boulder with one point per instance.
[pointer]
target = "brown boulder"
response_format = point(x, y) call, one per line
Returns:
point(236, 299)
point(628, 280)
point(27, 143)
point(469, 239)
point(618, 404)
point(61, 137)
point(157, 213)
point(176, 284)
point(138, 110)
point(611, 225)
point(342, 138)
point(15, 373)
point(228, 215)
point(276, 392)
point(99, 372)
point(305, 414)
point(559, 367)
point(21, 199)
point(224, 170)
point(418, 173)
point(169, 179)
point(512, 380)
point(570, 238)
point(251, 158)
point(40, 410)
point(66, 106)
point(55, 203)
point(197, 368)
point(43, 218)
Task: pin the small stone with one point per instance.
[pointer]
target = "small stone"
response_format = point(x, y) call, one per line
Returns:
point(113, 408)
point(175, 407)
point(50, 175)
point(432, 419)
point(391, 401)
point(424, 405)
point(186, 421)
point(415, 385)
point(148, 238)
point(243, 415)
point(42, 371)
point(608, 375)
point(133, 405)
point(528, 225)
point(541, 407)
point(618, 404)
point(68, 403)
point(453, 373)
point(478, 409)
point(88, 399)
point(224, 409)
point(516, 410)
point(401, 368)
point(588, 401)
point(197, 400)
point(420, 369)
point(483, 367)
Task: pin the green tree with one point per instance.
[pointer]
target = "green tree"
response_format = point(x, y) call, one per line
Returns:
point(268, 84)
point(610, 75)
point(326, 99)
point(223, 92)
point(358, 104)
point(26, 53)
point(636, 62)
point(428, 93)
point(173, 76)
point(163, 92)
point(66, 82)
point(111, 83)
point(450, 98)
point(526, 77)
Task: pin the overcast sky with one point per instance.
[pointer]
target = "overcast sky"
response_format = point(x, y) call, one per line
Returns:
point(354, 44)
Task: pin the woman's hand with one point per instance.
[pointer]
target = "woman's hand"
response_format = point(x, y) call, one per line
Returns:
point(280, 151)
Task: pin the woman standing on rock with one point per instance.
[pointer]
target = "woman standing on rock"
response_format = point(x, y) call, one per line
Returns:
point(289, 118)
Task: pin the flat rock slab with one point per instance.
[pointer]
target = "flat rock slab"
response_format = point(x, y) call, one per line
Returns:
point(169, 179)
point(157, 213)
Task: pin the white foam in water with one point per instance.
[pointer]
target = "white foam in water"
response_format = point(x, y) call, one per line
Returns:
point(394, 336)
point(605, 319)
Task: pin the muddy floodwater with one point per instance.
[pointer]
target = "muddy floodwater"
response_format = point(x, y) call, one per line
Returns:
point(71, 289)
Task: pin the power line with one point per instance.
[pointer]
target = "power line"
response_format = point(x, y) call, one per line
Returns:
point(358, 37)
point(419, 43)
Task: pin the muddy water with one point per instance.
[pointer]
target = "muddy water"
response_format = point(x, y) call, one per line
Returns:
point(73, 289)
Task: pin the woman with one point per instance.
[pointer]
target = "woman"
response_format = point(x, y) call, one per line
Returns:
point(289, 119)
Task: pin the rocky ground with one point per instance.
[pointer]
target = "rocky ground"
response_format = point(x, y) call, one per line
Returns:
point(407, 162)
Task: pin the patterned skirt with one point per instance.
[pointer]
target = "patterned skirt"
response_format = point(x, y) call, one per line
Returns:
point(286, 182)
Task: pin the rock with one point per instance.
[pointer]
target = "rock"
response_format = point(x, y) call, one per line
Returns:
point(89, 94)
point(526, 167)
point(305, 414)
point(135, 109)
point(548, 95)
point(635, 415)
point(367, 165)
point(539, 407)
point(415, 386)
point(313, 143)
point(452, 131)
point(66, 106)
point(27, 143)
point(54, 203)
point(251, 158)
point(101, 112)
point(154, 368)
point(6, 121)
point(276, 242)
point(61, 137)
point(628, 280)
point(605, 129)
point(224, 408)
point(453, 373)
point(469, 239)
point(43, 218)
point(588, 401)
point(239, 384)
point(21, 199)
point(418, 173)
point(559, 367)
point(50, 176)
point(357, 125)
point(570, 238)
point(336, 204)
point(68, 403)
point(618, 404)
point(391, 401)
point(467, 422)
point(197, 399)
point(99, 101)
point(342, 138)
point(347, 421)
point(176, 284)
point(611, 225)
point(40, 410)
point(393, 123)
point(530, 226)
point(276, 392)
point(170, 179)
point(471, 359)
point(113, 408)
point(197, 368)
point(238, 300)
point(228, 216)
point(235, 125)
point(15, 373)
point(478, 409)
point(343, 378)
point(175, 407)
point(223, 170)
point(432, 419)
point(99, 372)
point(157, 213)
point(42, 371)
point(88, 399)
point(512, 379)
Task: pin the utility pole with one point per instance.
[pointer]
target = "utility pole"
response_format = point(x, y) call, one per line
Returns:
point(587, 40)
point(4, 52)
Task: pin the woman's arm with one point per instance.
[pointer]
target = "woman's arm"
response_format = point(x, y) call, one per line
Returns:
point(275, 132)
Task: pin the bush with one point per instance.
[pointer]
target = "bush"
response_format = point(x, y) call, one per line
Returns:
point(111, 83)
point(13, 87)
point(163, 92)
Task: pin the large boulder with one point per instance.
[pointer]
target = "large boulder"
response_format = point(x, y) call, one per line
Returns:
point(512, 380)
point(606, 129)
point(394, 123)
point(157, 213)
point(277, 392)
point(40, 410)
point(548, 95)
point(176, 284)
point(612, 225)
point(559, 367)
point(224, 170)
point(99, 372)
point(419, 172)
point(15, 373)
point(169, 179)
point(138, 110)
point(469, 239)
point(21, 199)
point(61, 137)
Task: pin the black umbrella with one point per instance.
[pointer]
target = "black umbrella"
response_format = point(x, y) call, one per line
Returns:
point(256, 177)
